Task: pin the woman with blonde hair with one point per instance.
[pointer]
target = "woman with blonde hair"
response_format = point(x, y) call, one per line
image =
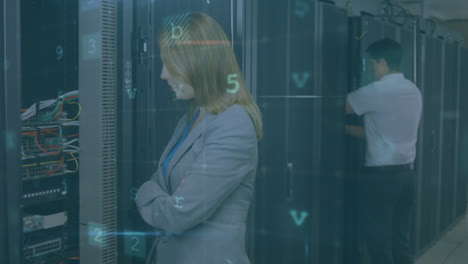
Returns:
point(199, 196)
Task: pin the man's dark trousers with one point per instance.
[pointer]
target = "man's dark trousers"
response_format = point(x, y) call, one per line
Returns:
point(386, 197)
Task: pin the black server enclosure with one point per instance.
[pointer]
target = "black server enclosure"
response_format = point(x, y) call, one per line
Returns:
point(441, 194)
point(451, 120)
point(301, 92)
point(430, 81)
point(449, 135)
point(461, 194)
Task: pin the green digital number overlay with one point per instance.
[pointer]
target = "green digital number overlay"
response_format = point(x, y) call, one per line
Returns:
point(95, 234)
point(135, 244)
point(231, 80)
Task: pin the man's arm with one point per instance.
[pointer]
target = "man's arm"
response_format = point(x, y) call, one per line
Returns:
point(349, 108)
point(356, 131)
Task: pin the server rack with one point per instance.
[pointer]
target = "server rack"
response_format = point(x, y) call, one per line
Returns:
point(441, 201)
point(97, 51)
point(299, 201)
point(449, 136)
point(98, 131)
point(10, 124)
point(29, 190)
point(126, 94)
point(430, 81)
point(49, 164)
point(462, 193)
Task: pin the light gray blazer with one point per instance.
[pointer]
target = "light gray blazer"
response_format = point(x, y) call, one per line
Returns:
point(211, 177)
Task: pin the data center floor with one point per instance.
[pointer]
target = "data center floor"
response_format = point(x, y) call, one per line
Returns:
point(451, 248)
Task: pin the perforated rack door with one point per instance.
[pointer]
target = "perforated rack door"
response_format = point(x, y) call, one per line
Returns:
point(98, 133)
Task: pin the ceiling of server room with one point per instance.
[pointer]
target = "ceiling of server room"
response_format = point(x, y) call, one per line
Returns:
point(438, 9)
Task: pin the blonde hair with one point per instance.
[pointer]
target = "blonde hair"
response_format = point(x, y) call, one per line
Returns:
point(196, 50)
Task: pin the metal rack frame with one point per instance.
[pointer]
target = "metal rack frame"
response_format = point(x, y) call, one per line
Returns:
point(10, 124)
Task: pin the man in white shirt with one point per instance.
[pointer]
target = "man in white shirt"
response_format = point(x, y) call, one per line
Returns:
point(391, 107)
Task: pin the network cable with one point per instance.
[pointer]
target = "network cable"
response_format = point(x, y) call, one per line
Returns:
point(31, 111)
point(391, 15)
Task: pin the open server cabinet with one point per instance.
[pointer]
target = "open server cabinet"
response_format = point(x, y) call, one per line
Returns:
point(38, 218)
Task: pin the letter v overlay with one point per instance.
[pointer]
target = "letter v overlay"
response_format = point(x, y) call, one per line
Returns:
point(131, 93)
point(299, 221)
point(300, 81)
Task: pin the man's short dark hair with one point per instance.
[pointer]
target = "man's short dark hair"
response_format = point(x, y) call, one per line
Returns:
point(389, 50)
